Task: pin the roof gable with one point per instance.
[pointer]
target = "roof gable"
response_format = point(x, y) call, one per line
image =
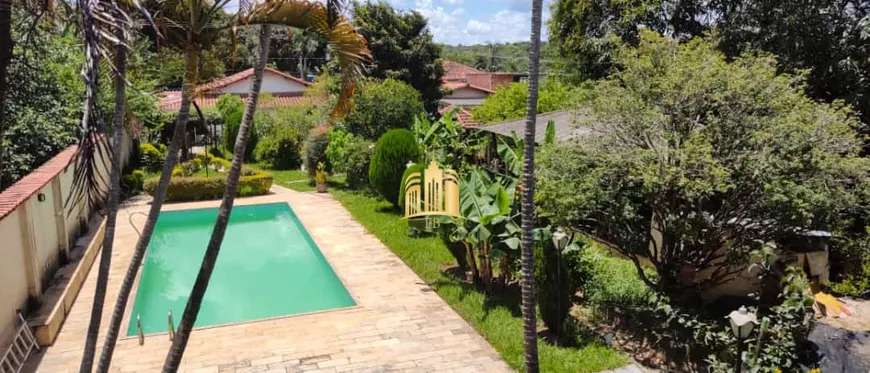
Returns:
point(217, 85)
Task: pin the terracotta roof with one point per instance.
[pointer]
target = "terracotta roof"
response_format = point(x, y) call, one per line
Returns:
point(31, 183)
point(455, 71)
point(458, 85)
point(242, 75)
point(210, 100)
point(465, 117)
point(171, 100)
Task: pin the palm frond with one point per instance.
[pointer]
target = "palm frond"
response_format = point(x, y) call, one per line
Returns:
point(100, 21)
point(343, 40)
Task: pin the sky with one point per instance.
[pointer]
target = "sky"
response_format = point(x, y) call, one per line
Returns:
point(470, 22)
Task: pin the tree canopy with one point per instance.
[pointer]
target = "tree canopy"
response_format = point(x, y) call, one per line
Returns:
point(402, 48)
point(717, 157)
point(381, 106)
point(828, 38)
point(509, 102)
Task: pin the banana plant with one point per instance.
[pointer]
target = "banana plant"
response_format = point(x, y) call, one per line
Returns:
point(445, 139)
point(510, 149)
point(486, 205)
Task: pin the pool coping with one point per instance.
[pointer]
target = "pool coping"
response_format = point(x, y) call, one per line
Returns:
point(128, 309)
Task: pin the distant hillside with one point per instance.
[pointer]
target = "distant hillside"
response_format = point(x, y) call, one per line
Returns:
point(508, 57)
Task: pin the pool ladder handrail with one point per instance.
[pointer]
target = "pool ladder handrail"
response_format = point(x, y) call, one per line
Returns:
point(139, 330)
point(171, 327)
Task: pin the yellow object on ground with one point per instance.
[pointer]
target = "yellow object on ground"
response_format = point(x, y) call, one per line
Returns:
point(828, 305)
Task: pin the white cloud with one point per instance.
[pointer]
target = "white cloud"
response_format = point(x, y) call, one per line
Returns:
point(502, 21)
point(503, 26)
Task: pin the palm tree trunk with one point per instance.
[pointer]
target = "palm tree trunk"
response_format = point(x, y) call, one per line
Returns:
point(191, 76)
point(112, 209)
point(530, 327)
point(191, 310)
point(5, 57)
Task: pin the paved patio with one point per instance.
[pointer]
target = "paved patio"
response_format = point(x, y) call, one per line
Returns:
point(400, 324)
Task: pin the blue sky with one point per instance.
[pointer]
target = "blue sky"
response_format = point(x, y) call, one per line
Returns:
point(476, 21)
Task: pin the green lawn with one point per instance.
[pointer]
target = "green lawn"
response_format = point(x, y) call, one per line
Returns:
point(298, 180)
point(496, 318)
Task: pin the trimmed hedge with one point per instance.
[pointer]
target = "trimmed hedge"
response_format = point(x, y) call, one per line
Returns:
point(208, 188)
point(392, 153)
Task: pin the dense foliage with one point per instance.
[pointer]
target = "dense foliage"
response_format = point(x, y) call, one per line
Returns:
point(315, 150)
point(231, 109)
point(152, 156)
point(402, 48)
point(716, 157)
point(500, 57)
point(280, 148)
point(828, 38)
point(389, 159)
point(509, 102)
point(382, 105)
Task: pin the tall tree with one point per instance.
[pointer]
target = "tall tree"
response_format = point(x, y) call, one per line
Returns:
point(93, 147)
point(5, 58)
point(697, 161)
point(350, 49)
point(586, 33)
point(828, 40)
point(402, 48)
point(186, 25)
point(527, 244)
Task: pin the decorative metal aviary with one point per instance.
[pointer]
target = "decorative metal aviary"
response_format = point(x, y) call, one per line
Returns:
point(432, 193)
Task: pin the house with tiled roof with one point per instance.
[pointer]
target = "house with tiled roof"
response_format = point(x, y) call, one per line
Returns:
point(467, 86)
point(285, 89)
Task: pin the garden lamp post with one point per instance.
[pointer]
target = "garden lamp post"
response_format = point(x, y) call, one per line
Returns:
point(560, 240)
point(742, 323)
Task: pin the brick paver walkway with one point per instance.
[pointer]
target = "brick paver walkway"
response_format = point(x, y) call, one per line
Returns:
point(400, 324)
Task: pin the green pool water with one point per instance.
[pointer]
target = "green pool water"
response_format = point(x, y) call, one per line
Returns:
point(268, 266)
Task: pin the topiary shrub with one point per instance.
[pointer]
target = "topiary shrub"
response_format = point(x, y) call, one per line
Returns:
point(554, 288)
point(391, 155)
point(207, 188)
point(280, 148)
point(152, 157)
point(232, 123)
point(132, 183)
point(315, 150)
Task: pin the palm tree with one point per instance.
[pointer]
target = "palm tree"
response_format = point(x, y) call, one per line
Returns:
point(351, 50)
point(530, 326)
point(93, 147)
point(187, 26)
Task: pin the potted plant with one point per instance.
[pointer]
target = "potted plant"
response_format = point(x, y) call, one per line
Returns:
point(320, 178)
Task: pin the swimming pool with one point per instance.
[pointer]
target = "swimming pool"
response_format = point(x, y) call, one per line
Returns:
point(268, 266)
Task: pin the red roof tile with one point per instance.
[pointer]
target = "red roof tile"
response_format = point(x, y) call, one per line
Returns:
point(455, 71)
point(31, 183)
point(210, 100)
point(465, 117)
point(171, 100)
